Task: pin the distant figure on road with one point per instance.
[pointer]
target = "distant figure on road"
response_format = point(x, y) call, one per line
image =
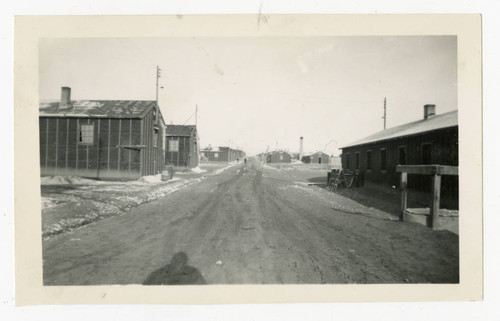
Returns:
point(237, 160)
point(245, 160)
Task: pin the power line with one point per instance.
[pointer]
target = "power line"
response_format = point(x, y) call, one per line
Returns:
point(189, 118)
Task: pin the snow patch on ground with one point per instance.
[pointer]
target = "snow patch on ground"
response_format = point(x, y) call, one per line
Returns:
point(68, 180)
point(151, 179)
point(89, 183)
point(198, 170)
point(48, 202)
point(220, 170)
point(270, 167)
point(68, 209)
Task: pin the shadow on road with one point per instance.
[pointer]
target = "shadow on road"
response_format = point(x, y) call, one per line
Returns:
point(176, 272)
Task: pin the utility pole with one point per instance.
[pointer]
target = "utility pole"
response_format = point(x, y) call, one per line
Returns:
point(196, 116)
point(385, 114)
point(197, 136)
point(158, 75)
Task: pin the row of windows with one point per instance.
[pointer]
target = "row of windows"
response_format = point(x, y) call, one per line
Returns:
point(401, 158)
point(86, 135)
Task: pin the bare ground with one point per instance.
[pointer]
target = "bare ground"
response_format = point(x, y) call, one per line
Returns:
point(251, 224)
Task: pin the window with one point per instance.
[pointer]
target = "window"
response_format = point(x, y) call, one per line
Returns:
point(369, 160)
point(383, 159)
point(281, 156)
point(356, 161)
point(155, 138)
point(173, 145)
point(402, 155)
point(216, 155)
point(347, 162)
point(87, 134)
point(426, 154)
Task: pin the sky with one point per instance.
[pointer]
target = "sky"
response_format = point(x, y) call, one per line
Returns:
point(263, 93)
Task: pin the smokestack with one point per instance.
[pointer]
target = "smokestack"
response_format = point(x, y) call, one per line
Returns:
point(301, 148)
point(429, 111)
point(65, 97)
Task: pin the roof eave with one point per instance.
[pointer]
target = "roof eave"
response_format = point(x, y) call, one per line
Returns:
point(147, 110)
point(88, 116)
point(396, 137)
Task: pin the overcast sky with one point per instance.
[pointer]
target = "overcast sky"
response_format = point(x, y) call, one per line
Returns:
point(255, 92)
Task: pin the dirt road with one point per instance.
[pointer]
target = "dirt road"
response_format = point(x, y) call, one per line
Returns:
point(251, 224)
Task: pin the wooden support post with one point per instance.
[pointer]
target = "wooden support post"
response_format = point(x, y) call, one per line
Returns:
point(47, 145)
point(119, 144)
point(57, 145)
point(98, 147)
point(109, 145)
point(87, 151)
point(67, 147)
point(141, 151)
point(404, 193)
point(77, 144)
point(129, 151)
point(436, 195)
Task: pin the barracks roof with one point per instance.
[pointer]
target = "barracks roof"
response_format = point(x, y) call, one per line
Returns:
point(449, 119)
point(180, 130)
point(98, 108)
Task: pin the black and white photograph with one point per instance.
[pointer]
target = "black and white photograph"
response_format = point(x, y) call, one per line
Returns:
point(196, 160)
point(280, 160)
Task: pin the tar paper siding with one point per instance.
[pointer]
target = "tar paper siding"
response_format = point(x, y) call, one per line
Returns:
point(223, 155)
point(441, 146)
point(316, 158)
point(279, 157)
point(152, 155)
point(217, 156)
point(62, 153)
point(187, 153)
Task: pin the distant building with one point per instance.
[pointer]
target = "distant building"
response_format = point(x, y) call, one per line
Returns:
point(222, 155)
point(316, 158)
point(102, 139)
point(431, 140)
point(278, 157)
point(335, 162)
point(182, 146)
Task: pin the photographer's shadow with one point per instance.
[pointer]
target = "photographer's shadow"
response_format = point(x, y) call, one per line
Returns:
point(176, 272)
